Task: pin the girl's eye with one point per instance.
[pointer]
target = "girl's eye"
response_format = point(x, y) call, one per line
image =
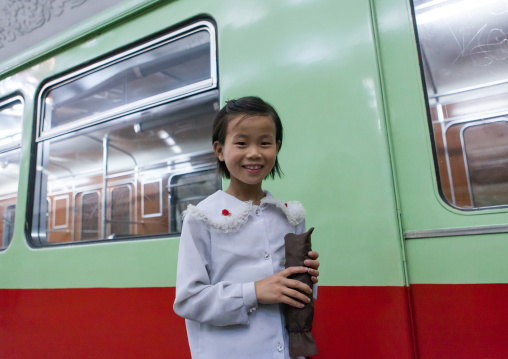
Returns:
point(266, 143)
point(240, 143)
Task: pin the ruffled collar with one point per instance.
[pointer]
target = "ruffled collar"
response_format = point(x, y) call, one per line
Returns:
point(226, 213)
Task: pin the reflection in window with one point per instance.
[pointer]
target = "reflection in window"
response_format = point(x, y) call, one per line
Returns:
point(9, 215)
point(190, 189)
point(486, 151)
point(169, 66)
point(11, 116)
point(465, 66)
point(152, 198)
point(120, 212)
point(90, 216)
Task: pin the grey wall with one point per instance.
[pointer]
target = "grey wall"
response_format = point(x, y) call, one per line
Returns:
point(24, 23)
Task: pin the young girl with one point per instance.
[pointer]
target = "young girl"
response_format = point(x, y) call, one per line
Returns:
point(231, 277)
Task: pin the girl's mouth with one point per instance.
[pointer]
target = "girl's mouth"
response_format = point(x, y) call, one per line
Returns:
point(252, 168)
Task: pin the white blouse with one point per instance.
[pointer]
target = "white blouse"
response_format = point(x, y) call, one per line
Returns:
point(226, 246)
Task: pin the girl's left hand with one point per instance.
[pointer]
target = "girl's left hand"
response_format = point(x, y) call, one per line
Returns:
point(313, 265)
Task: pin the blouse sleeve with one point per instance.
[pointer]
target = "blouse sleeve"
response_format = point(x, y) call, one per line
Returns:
point(220, 304)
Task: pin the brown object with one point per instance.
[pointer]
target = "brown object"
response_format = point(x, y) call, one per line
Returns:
point(299, 320)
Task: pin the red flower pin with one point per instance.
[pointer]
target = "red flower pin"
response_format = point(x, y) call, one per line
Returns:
point(285, 204)
point(225, 212)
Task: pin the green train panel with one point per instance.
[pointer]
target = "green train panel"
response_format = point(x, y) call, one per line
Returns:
point(396, 144)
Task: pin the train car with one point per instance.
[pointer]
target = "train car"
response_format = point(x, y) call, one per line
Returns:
point(395, 113)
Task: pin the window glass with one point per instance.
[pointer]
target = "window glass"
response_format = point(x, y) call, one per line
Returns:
point(152, 198)
point(122, 158)
point(11, 116)
point(90, 216)
point(9, 216)
point(486, 150)
point(464, 56)
point(121, 202)
point(163, 69)
point(190, 189)
point(115, 133)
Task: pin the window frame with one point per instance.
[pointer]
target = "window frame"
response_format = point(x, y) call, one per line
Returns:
point(136, 106)
point(160, 196)
point(82, 204)
point(170, 187)
point(6, 102)
point(200, 90)
point(449, 97)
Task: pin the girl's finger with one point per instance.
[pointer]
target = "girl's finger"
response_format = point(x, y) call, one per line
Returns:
point(314, 272)
point(311, 263)
point(293, 270)
point(296, 295)
point(313, 254)
point(292, 302)
point(296, 284)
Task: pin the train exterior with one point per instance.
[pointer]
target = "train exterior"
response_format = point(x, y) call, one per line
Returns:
point(396, 143)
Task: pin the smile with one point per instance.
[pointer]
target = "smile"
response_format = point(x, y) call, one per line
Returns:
point(252, 167)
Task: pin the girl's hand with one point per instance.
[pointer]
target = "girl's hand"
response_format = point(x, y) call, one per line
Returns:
point(313, 265)
point(278, 288)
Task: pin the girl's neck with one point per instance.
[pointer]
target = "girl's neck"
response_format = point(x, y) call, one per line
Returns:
point(245, 192)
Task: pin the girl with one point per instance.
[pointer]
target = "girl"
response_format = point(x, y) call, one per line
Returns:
point(231, 277)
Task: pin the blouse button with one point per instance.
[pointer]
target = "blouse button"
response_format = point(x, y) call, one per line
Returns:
point(258, 211)
point(267, 255)
point(280, 347)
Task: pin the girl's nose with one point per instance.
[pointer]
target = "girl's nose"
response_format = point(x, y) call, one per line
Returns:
point(253, 152)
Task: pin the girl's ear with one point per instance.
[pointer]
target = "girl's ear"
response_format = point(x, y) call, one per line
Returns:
point(219, 150)
point(278, 146)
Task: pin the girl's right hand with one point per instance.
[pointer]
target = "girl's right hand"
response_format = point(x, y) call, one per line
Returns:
point(278, 288)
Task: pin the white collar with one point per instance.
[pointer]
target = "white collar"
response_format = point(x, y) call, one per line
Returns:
point(226, 213)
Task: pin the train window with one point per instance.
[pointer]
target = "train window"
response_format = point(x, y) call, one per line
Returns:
point(152, 198)
point(90, 216)
point(111, 166)
point(8, 230)
point(464, 57)
point(169, 67)
point(61, 212)
point(11, 117)
point(188, 189)
point(121, 199)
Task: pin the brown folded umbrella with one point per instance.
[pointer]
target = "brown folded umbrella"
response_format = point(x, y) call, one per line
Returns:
point(299, 320)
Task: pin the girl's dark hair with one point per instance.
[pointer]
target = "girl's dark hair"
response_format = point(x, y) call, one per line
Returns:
point(245, 107)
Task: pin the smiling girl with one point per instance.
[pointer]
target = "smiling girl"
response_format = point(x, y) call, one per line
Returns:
point(230, 277)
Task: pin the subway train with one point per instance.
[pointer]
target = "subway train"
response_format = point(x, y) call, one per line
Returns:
point(396, 143)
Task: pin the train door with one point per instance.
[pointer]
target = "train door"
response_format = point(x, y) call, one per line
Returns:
point(449, 131)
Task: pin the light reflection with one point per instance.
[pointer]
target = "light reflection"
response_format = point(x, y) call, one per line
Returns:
point(164, 135)
point(369, 85)
point(10, 140)
point(443, 11)
point(245, 13)
point(299, 2)
point(311, 51)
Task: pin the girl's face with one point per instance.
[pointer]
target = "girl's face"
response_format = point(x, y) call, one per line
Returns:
point(249, 150)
